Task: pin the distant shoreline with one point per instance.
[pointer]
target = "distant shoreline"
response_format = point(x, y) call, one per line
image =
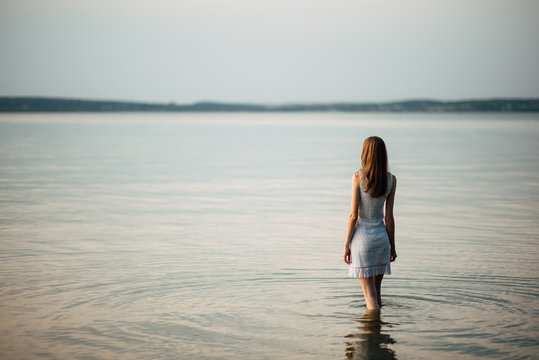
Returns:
point(45, 104)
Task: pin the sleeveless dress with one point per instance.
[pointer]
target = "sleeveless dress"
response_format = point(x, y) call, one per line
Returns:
point(369, 248)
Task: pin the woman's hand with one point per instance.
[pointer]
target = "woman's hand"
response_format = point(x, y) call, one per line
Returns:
point(346, 255)
point(393, 256)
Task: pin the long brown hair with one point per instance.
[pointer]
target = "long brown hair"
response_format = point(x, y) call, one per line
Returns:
point(374, 166)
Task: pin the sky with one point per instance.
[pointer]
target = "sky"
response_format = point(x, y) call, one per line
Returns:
point(269, 51)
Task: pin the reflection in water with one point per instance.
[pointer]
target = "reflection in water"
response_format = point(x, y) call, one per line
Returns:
point(370, 342)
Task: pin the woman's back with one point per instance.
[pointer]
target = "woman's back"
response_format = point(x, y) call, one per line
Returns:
point(371, 209)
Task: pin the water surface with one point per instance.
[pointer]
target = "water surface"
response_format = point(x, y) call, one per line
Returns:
point(220, 236)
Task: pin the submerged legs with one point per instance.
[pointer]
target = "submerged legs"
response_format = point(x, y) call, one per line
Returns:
point(369, 291)
point(372, 290)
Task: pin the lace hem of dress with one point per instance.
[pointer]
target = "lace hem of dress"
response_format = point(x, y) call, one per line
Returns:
point(368, 271)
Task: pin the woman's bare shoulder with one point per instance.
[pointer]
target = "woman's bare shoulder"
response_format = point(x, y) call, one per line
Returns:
point(356, 180)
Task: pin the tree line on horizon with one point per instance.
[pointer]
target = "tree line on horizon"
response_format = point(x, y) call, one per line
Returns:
point(43, 104)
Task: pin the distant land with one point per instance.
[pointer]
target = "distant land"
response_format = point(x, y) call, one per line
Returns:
point(44, 104)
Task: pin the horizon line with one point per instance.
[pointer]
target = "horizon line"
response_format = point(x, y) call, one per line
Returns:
point(284, 103)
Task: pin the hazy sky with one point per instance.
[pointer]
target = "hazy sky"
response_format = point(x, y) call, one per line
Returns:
point(269, 50)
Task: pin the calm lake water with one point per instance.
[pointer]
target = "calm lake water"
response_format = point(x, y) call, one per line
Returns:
point(220, 236)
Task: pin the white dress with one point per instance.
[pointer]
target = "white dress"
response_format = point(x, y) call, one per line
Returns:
point(369, 248)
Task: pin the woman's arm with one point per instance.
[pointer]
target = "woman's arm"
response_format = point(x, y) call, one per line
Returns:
point(352, 218)
point(390, 221)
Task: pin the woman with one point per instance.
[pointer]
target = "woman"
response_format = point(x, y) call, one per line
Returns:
point(370, 244)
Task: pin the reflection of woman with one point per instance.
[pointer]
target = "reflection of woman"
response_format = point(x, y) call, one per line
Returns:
point(370, 343)
point(370, 243)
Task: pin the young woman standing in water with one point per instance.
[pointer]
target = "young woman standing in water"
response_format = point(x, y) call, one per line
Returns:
point(370, 241)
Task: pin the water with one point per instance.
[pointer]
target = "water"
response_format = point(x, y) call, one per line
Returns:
point(220, 236)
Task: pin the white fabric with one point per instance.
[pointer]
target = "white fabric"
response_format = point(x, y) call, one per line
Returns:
point(369, 248)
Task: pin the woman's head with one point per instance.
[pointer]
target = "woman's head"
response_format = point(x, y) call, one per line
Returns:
point(374, 166)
